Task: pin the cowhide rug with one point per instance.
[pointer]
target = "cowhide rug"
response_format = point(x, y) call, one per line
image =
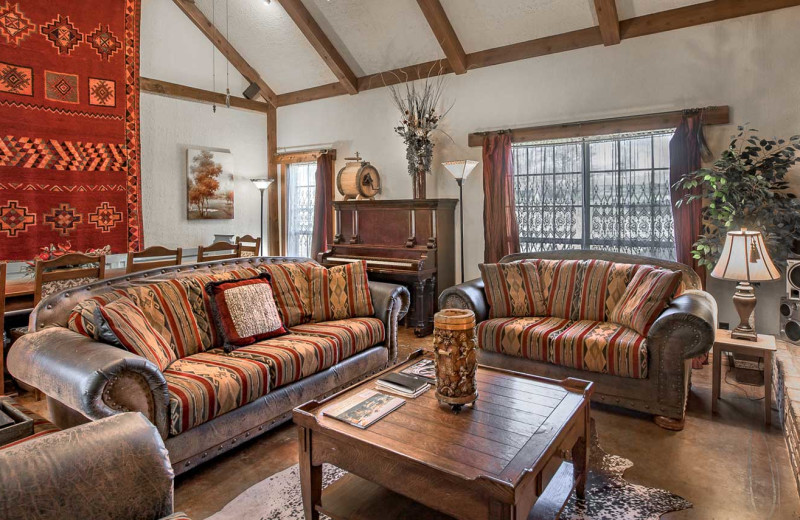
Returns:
point(608, 495)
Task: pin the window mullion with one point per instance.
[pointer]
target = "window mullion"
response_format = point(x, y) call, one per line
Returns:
point(587, 220)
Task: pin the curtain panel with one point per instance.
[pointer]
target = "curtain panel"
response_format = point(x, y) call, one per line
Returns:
point(500, 230)
point(323, 220)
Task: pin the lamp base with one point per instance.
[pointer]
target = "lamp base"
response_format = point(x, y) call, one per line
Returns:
point(744, 300)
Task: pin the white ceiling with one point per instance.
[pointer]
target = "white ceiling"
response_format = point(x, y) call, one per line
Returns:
point(380, 35)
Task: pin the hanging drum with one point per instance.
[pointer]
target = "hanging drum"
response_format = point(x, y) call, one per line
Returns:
point(358, 179)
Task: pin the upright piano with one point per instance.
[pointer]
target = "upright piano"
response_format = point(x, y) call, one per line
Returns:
point(410, 242)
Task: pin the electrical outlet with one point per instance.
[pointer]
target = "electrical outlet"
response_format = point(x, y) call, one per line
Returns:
point(724, 325)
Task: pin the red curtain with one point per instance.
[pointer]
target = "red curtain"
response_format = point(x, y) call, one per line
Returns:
point(685, 156)
point(500, 231)
point(323, 220)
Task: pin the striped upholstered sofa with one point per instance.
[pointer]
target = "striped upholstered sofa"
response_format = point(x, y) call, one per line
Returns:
point(576, 335)
point(205, 401)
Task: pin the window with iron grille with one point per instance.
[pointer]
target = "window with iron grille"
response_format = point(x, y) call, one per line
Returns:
point(300, 194)
point(610, 193)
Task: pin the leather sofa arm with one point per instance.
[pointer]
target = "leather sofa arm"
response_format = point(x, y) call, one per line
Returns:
point(391, 303)
point(117, 468)
point(689, 322)
point(468, 295)
point(96, 379)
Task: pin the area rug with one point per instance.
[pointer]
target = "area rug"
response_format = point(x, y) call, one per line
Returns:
point(69, 126)
point(608, 495)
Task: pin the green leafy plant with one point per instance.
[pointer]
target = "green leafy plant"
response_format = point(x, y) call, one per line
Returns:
point(746, 187)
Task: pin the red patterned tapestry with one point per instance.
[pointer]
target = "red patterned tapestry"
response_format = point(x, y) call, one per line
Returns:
point(69, 125)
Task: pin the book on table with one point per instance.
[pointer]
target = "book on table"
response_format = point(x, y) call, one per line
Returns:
point(424, 368)
point(403, 384)
point(364, 408)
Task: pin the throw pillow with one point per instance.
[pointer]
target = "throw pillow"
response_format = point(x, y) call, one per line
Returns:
point(292, 291)
point(513, 289)
point(123, 324)
point(340, 292)
point(245, 311)
point(646, 296)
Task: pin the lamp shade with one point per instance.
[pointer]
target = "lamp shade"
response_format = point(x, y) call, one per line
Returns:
point(262, 184)
point(745, 258)
point(460, 169)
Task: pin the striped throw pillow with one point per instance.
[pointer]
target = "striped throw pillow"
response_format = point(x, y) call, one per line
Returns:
point(340, 292)
point(292, 292)
point(646, 296)
point(123, 324)
point(513, 290)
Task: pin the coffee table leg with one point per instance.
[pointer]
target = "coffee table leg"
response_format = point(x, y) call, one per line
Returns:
point(310, 476)
point(580, 455)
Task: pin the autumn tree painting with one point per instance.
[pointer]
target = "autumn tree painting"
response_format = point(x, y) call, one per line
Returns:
point(210, 185)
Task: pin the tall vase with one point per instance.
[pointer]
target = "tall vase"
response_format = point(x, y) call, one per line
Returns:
point(418, 184)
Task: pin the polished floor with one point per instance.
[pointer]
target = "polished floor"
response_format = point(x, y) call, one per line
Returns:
point(729, 465)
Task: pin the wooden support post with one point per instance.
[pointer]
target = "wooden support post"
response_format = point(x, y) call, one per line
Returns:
point(273, 230)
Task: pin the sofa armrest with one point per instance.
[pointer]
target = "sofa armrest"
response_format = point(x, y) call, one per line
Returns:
point(96, 379)
point(117, 467)
point(468, 295)
point(688, 322)
point(391, 303)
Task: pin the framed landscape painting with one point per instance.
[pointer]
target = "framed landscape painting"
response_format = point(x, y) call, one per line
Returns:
point(209, 183)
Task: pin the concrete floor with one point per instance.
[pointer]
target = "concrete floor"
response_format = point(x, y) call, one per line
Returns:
point(729, 465)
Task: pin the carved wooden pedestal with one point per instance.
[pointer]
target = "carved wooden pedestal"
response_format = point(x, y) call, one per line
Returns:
point(454, 345)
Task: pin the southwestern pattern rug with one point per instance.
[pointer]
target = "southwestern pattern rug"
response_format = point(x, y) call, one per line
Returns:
point(608, 495)
point(69, 126)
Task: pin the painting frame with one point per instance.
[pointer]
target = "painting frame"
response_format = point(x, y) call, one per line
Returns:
point(209, 184)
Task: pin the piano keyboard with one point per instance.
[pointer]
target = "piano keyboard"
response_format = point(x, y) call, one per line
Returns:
point(376, 263)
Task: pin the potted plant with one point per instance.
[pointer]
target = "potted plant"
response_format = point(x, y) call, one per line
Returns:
point(747, 187)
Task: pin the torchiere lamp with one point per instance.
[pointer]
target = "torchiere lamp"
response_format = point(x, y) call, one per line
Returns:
point(745, 259)
point(262, 185)
point(461, 170)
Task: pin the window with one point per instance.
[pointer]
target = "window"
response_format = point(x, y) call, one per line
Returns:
point(609, 193)
point(300, 195)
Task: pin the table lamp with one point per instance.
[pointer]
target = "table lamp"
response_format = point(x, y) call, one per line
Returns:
point(745, 259)
point(461, 170)
point(262, 185)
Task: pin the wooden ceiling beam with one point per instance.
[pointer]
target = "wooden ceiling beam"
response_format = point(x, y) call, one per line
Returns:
point(200, 20)
point(444, 32)
point(608, 21)
point(165, 88)
point(321, 43)
point(682, 17)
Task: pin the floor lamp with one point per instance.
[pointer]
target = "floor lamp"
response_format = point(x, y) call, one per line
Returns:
point(262, 185)
point(461, 170)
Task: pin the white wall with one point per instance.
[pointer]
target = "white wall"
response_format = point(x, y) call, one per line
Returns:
point(174, 50)
point(748, 63)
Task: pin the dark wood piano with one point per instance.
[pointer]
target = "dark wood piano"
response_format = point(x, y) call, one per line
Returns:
point(410, 242)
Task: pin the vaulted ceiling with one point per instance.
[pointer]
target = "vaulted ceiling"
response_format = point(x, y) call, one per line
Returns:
point(309, 49)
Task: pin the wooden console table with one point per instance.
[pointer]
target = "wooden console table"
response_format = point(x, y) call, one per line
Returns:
point(424, 461)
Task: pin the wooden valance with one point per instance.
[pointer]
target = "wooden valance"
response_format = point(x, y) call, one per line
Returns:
point(302, 156)
point(717, 115)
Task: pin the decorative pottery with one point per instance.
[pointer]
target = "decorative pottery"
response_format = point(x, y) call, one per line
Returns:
point(454, 344)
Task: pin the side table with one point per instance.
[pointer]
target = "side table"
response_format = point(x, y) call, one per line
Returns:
point(763, 348)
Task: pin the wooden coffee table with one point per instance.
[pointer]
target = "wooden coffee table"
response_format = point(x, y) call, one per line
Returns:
point(423, 461)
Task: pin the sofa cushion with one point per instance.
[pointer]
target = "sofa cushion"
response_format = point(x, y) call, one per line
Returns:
point(645, 298)
point(81, 319)
point(122, 323)
point(513, 289)
point(340, 292)
point(292, 291)
point(245, 310)
point(209, 384)
point(351, 335)
point(602, 347)
point(583, 289)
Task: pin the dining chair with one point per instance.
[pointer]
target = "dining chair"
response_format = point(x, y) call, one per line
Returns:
point(218, 251)
point(64, 272)
point(251, 246)
point(163, 258)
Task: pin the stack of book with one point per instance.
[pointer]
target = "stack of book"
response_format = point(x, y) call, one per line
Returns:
point(402, 384)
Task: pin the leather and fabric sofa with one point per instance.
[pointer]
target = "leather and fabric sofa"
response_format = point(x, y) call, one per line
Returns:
point(649, 373)
point(208, 400)
point(58, 474)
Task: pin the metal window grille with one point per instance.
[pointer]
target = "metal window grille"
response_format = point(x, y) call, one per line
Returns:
point(610, 193)
point(300, 195)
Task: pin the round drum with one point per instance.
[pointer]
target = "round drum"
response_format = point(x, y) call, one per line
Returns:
point(358, 180)
point(454, 344)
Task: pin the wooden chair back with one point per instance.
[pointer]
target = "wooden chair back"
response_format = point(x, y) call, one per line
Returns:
point(218, 251)
point(251, 246)
point(164, 258)
point(66, 271)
